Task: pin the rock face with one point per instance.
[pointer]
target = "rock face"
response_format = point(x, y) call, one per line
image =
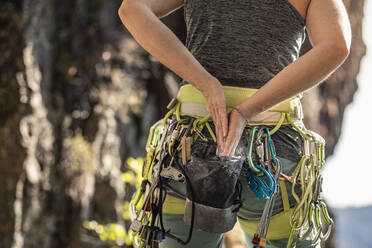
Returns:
point(77, 97)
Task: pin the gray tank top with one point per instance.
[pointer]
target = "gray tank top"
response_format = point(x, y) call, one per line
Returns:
point(243, 43)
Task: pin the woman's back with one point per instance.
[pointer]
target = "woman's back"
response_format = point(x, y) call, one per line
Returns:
point(243, 42)
point(250, 43)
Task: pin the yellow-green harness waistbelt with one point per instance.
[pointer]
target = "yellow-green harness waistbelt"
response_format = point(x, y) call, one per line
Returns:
point(190, 101)
point(234, 96)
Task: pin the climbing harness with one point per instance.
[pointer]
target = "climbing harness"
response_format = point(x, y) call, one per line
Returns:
point(181, 147)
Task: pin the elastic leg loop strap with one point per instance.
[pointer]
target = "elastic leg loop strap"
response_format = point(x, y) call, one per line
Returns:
point(285, 200)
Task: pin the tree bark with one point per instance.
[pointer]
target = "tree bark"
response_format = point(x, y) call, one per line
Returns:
point(77, 97)
point(12, 154)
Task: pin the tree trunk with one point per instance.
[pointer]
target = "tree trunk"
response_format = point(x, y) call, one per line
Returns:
point(77, 97)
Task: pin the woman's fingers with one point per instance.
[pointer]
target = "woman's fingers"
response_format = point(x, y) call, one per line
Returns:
point(216, 105)
point(219, 142)
point(219, 133)
point(235, 130)
point(234, 146)
point(217, 109)
point(224, 122)
point(228, 144)
point(229, 140)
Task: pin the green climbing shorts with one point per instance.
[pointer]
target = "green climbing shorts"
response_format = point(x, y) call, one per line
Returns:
point(211, 240)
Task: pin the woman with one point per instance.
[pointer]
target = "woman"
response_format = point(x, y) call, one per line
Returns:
point(252, 44)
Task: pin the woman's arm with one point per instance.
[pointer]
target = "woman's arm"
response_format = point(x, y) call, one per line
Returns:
point(141, 18)
point(329, 32)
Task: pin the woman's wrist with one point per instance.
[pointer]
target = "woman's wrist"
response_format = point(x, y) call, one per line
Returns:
point(241, 113)
point(207, 86)
point(252, 106)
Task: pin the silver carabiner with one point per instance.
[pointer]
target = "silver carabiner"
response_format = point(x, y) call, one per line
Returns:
point(310, 223)
point(328, 219)
point(318, 225)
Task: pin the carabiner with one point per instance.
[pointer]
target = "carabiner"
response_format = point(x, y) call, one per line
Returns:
point(318, 225)
point(310, 219)
point(250, 150)
point(258, 186)
point(272, 149)
point(328, 219)
point(260, 149)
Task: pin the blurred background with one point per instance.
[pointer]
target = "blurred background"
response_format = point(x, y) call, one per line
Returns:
point(347, 174)
point(77, 98)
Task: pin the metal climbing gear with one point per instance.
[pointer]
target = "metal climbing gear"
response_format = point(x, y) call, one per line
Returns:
point(271, 168)
point(182, 130)
point(256, 182)
point(258, 186)
point(306, 218)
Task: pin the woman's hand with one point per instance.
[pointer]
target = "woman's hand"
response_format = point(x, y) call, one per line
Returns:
point(216, 105)
point(236, 127)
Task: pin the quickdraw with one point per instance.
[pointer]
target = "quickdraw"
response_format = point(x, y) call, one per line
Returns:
point(310, 209)
point(306, 218)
